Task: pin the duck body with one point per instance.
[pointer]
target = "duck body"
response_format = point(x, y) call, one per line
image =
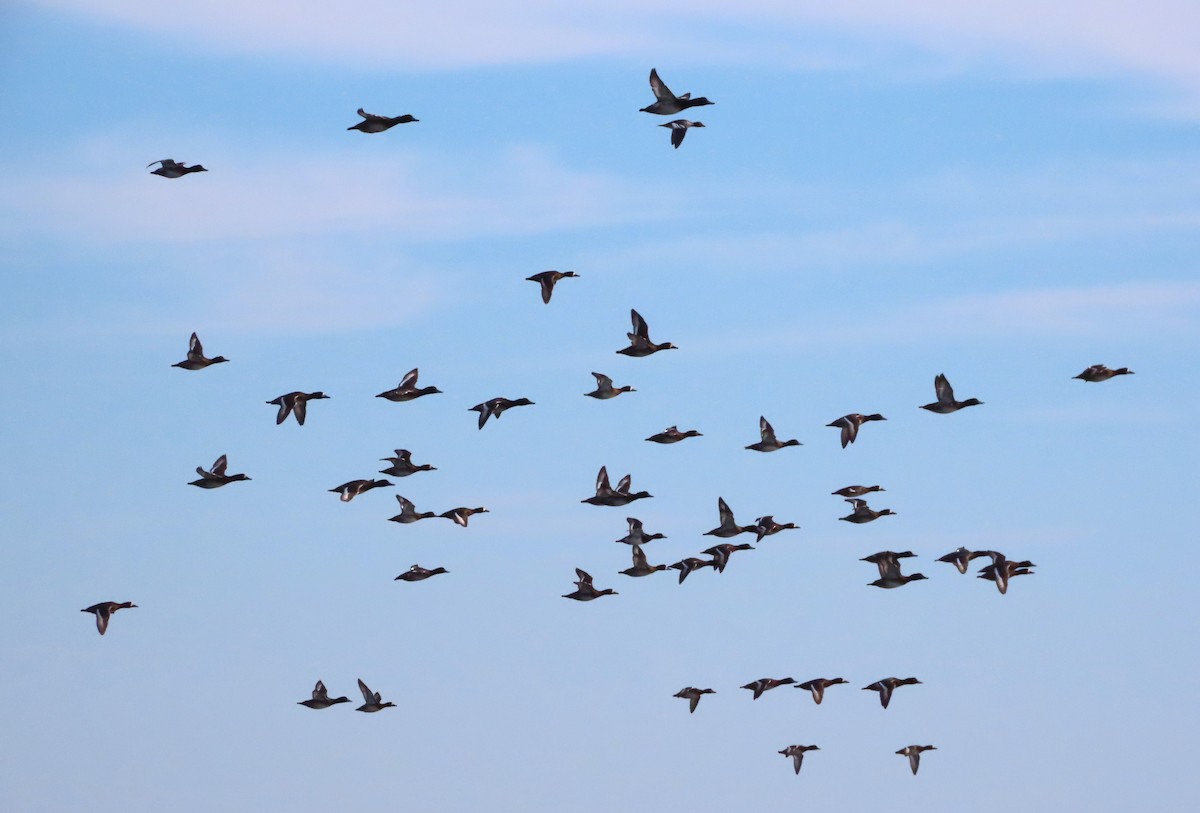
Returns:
point(352, 489)
point(547, 280)
point(639, 340)
point(913, 752)
point(408, 512)
point(495, 407)
point(817, 687)
point(216, 477)
point(295, 403)
point(461, 515)
point(407, 389)
point(864, 513)
point(767, 526)
point(691, 564)
point(372, 702)
point(679, 129)
point(637, 533)
point(672, 435)
point(196, 360)
point(692, 695)
point(796, 752)
point(769, 443)
point(321, 699)
point(621, 495)
point(169, 168)
point(857, 491)
point(104, 611)
point(641, 567)
point(849, 424)
point(721, 553)
point(402, 465)
point(729, 527)
point(766, 684)
point(605, 389)
point(945, 403)
point(1098, 372)
point(667, 103)
point(585, 590)
point(377, 124)
point(416, 573)
point(886, 686)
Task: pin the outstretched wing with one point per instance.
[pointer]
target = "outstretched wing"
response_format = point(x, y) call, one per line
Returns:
point(218, 468)
point(410, 379)
point(945, 393)
point(640, 328)
point(660, 90)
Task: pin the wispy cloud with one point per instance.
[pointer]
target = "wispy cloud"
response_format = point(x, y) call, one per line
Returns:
point(513, 191)
point(1151, 37)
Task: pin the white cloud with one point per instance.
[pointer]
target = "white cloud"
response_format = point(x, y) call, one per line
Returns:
point(1154, 38)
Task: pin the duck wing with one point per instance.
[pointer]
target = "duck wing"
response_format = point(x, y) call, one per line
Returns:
point(660, 90)
point(603, 382)
point(195, 349)
point(766, 430)
point(640, 329)
point(602, 485)
point(410, 380)
point(941, 386)
point(624, 484)
point(218, 468)
point(677, 134)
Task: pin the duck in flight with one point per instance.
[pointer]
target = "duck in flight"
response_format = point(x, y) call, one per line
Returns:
point(408, 512)
point(402, 465)
point(217, 476)
point(407, 389)
point(864, 513)
point(104, 611)
point(585, 591)
point(605, 389)
point(416, 573)
point(692, 695)
point(849, 425)
point(548, 279)
point(672, 435)
point(796, 752)
point(639, 340)
point(769, 443)
point(679, 129)
point(495, 407)
point(353, 488)
point(168, 168)
point(377, 124)
point(1098, 372)
point(621, 495)
point(295, 403)
point(641, 567)
point(818, 686)
point(913, 752)
point(767, 526)
point(666, 102)
point(321, 699)
point(729, 526)
point(372, 699)
point(945, 403)
point(196, 360)
point(886, 686)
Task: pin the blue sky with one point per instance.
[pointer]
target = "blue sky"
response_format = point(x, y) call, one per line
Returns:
point(1000, 192)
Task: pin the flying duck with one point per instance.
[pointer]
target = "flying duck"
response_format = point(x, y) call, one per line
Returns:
point(864, 513)
point(721, 553)
point(196, 360)
point(168, 168)
point(605, 389)
point(462, 515)
point(945, 402)
point(728, 526)
point(639, 340)
point(402, 464)
point(321, 699)
point(377, 124)
point(416, 573)
point(690, 564)
point(407, 390)
point(769, 443)
point(495, 407)
point(621, 495)
point(796, 752)
point(767, 526)
point(959, 558)
point(672, 435)
point(585, 590)
point(637, 535)
point(217, 477)
point(679, 129)
point(548, 279)
point(295, 403)
point(818, 686)
point(372, 699)
point(353, 488)
point(1098, 372)
point(641, 567)
point(667, 102)
point(766, 684)
point(857, 491)
point(692, 695)
point(104, 610)
point(886, 686)
point(849, 425)
point(913, 752)
point(408, 512)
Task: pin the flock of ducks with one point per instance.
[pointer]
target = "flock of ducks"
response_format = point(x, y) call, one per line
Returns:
point(295, 404)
